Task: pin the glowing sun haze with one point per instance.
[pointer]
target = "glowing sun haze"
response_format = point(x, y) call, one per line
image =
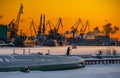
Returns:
point(98, 12)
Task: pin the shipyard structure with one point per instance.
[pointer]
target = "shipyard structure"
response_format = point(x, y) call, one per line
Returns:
point(80, 34)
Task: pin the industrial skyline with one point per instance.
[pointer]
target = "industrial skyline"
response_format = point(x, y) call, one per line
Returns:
point(98, 12)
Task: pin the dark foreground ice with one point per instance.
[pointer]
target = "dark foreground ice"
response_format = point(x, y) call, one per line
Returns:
point(92, 71)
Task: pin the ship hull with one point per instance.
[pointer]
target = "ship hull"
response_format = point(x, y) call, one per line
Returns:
point(76, 63)
point(42, 68)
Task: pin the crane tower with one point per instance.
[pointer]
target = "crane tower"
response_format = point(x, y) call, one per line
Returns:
point(14, 24)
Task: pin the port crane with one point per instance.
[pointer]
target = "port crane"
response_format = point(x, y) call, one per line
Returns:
point(33, 25)
point(83, 29)
point(51, 26)
point(14, 24)
point(59, 23)
point(54, 31)
point(41, 27)
point(75, 27)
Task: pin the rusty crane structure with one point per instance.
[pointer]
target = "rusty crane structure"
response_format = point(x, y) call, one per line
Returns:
point(75, 27)
point(14, 24)
point(82, 28)
point(41, 27)
point(34, 27)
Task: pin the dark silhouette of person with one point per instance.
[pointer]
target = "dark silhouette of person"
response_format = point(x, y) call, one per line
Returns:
point(68, 51)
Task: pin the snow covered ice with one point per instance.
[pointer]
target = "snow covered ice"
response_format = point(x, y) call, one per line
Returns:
point(90, 71)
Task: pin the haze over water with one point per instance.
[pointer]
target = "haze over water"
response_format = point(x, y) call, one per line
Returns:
point(58, 50)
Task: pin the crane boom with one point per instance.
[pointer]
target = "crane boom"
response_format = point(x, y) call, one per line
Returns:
point(75, 26)
point(58, 25)
point(18, 17)
point(13, 25)
point(87, 25)
point(41, 27)
point(50, 24)
point(33, 25)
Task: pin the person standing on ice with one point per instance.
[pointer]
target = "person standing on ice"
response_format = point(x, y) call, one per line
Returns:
point(68, 51)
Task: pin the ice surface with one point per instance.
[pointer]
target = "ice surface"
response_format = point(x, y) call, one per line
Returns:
point(91, 71)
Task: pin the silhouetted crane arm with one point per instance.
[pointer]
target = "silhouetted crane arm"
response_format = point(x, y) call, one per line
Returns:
point(40, 25)
point(33, 25)
point(58, 25)
point(87, 25)
point(75, 26)
point(50, 24)
point(18, 17)
point(43, 28)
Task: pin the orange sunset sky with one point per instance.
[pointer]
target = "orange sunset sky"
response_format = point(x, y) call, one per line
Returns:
point(98, 12)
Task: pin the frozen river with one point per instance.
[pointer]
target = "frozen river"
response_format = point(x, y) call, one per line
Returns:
point(92, 71)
